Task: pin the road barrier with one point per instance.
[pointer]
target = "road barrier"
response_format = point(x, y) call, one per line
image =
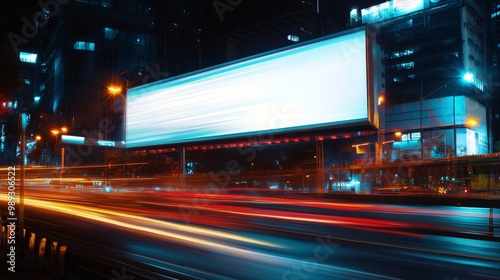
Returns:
point(50, 258)
point(41, 252)
point(31, 245)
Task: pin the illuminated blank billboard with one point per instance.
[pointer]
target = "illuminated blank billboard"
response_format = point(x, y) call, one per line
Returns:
point(316, 85)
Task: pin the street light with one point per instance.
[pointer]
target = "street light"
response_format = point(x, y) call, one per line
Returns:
point(471, 122)
point(468, 77)
point(118, 108)
point(56, 133)
point(115, 90)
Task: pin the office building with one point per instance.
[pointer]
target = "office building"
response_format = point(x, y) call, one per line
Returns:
point(436, 102)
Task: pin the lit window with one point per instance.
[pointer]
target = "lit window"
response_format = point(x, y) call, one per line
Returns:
point(293, 38)
point(27, 57)
point(92, 2)
point(402, 53)
point(107, 3)
point(406, 65)
point(86, 46)
point(110, 33)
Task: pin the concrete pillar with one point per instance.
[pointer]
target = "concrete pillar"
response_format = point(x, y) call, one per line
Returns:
point(31, 246)
point(41, 252)
point(61, 257)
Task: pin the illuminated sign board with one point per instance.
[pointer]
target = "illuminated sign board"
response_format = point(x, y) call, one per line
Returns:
point(70, 139)
point(392, 9)
point(410, 136)
point(106, 143)
point(314, 85)
point(79, 140)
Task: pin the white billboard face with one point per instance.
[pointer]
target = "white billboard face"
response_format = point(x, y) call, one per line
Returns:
point(318, 85)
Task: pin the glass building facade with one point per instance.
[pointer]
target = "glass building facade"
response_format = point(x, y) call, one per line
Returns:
point(435, 104)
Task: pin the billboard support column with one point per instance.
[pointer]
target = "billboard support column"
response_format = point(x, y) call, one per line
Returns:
point(320, 166)
point(182, 167)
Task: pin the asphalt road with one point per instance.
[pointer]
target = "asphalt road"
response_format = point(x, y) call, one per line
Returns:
point(221, 235)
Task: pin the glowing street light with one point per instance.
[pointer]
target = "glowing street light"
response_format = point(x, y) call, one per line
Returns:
point(114, 90)
point(469, 77)
point(56, 132)
point(472, 122)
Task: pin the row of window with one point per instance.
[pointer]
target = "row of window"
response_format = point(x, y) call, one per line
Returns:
point(109, 34)
point(135, 6)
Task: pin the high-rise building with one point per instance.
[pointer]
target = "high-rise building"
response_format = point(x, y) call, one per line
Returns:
point(494, 47)
point(86, 45)
point(436, 78)
point(88, 53)
point(238, 29)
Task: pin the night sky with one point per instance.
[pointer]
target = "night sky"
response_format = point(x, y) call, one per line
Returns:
point(11, 20)
point(249, 13)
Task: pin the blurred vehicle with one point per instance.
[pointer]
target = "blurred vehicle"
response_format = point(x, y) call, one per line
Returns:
point(455, 187)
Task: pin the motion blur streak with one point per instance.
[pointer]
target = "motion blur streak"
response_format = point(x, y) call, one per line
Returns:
point(100, 215)
point(313, 218)
point(351, 206)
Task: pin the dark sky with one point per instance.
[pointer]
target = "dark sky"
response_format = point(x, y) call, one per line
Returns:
point(252, 12)
point(11, 19)
point(13, 13)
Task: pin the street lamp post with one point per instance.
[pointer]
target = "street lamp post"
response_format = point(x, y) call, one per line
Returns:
point(116, 91)
point(56, 133)
point(23, 122)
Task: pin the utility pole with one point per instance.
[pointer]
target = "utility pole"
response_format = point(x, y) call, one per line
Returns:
point(22, 122)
